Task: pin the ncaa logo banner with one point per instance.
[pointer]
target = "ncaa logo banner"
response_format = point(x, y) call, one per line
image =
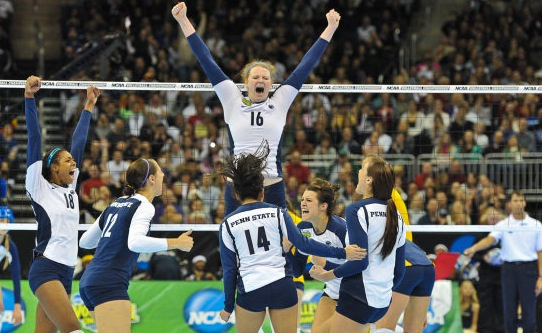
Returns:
point(202, 311)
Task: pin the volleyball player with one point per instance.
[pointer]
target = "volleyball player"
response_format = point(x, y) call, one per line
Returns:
point(50, 184)
point(413, 295)
point(259, 115)
point(9, 255)
point(375, 224)
point(317, 205)
point(120, 234)
point(251, 251)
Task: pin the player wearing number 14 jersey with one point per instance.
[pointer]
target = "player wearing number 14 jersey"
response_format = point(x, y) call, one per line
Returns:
point(252, 254)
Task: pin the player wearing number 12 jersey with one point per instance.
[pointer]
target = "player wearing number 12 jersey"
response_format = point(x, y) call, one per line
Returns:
point(258, 116)
point(120, 233)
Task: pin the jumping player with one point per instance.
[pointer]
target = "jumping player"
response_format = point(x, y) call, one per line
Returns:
point(259, 115)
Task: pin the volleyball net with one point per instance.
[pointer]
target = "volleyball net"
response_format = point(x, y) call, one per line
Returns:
point(480, 173)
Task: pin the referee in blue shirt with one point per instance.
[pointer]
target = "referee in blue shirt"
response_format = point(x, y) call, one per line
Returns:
point(521, 273)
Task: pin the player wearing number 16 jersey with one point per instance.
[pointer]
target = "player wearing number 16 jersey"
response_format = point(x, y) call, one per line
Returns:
point(120, 233)
point(259, 115)
point(251, 250)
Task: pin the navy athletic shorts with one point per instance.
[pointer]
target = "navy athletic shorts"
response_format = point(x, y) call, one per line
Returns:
point(280, 294)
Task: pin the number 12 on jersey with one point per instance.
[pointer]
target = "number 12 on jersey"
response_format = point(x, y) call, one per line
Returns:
point(111, 219)
point(261, 240)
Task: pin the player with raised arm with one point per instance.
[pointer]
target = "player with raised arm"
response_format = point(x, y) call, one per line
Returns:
point(50, 184)
point(259, 115)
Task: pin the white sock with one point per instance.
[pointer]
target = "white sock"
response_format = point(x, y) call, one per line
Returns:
point(384, 330)
point(77, 331)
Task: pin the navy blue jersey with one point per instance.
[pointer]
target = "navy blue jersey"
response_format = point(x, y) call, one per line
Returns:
point(15, 267)
point(415, 256)
point(115, 259)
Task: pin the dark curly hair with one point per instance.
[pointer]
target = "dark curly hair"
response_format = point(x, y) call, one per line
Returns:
point(245, 172)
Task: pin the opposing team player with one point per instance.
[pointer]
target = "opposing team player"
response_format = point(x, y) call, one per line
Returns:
point(120, 234)
point(259, 115)
point(50, 184)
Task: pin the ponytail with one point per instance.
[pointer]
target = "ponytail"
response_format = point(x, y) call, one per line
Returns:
point(392, 229)
point(382, 188)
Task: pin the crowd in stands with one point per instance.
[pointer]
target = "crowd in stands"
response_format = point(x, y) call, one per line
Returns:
point(186, 134)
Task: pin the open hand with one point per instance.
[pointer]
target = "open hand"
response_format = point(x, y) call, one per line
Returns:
point(354, 252)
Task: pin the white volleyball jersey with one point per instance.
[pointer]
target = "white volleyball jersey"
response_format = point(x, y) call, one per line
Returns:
point(334, 235)
point(256, 237)
point(249, 123)
point(366, 220)
point(57, 214)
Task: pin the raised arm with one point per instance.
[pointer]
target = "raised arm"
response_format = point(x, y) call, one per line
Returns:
point(81, 131)
point(33, 152)
point(201, 51)
point(333, 19)
point(309, 61)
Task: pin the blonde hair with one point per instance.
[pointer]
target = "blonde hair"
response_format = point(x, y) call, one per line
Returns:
point(261, 63)
point(463, 300)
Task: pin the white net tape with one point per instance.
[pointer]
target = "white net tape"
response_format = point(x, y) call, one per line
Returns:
point(214, 227)
point(307, 88)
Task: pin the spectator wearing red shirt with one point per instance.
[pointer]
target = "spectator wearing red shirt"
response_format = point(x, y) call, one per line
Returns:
point(297, 169)
point(94, 180)
point(427, 171)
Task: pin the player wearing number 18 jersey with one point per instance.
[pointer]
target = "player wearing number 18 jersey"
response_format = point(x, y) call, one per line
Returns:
point(50, 185)
point(259, 115)
point(120, 233)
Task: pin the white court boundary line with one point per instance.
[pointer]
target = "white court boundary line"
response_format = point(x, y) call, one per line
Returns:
point(214, 227)
point(315, 88)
